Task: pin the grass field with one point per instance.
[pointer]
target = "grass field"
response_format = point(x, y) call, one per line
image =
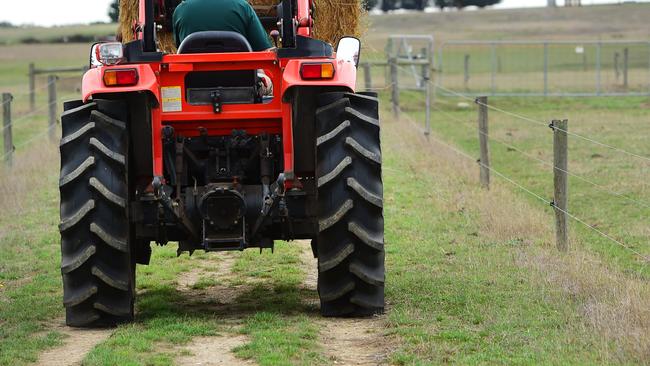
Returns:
point(473, 276)
point(520, 68)
point(11, 36)
point(618, 205)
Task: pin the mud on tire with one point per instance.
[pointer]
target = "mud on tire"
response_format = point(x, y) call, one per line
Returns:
point(96, 259)
point(350, 242)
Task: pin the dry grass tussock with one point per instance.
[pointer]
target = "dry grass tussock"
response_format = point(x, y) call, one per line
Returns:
point(613, 304)
point(32, 172)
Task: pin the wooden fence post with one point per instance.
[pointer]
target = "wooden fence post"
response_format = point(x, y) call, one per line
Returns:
point(6, 128)
point(483, 136)
point(626, 59)
point(395, 86)
point(561, 183)
point(52, 104)
point(32, 86)
point(367, 77)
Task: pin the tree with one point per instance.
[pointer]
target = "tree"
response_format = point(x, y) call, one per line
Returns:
point(463, 3)
point(370, 4)
point(114, 11)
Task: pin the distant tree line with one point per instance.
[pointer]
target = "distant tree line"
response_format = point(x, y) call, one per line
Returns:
point(387, 5)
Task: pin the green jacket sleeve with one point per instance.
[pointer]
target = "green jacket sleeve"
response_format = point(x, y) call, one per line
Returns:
point(256, 34)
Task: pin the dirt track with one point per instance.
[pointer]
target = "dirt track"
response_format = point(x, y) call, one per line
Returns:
point(347, 341)
point(343, 341)
point(77, 344)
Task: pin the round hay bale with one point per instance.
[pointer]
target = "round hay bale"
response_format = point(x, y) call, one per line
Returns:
point(333, 19)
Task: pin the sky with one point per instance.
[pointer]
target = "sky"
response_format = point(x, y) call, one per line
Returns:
point(49, 12)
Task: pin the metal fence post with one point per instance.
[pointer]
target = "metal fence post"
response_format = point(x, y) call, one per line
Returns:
point(395, 86)
point(52, 104)
point(32, 86)
point(545, 69)
point(483, 137)
point(367, 77)
point(561, 183)
point(6, 128)
point(626, 59)
point(599, 47)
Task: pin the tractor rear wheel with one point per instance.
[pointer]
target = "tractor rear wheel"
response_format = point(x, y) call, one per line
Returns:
point(350, 241)
point(97, 261)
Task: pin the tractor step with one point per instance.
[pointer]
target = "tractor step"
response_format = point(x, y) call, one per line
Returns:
point(220, 241)
point(222, 245)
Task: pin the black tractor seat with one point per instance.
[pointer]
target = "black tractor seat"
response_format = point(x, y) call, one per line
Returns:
point(214, 42)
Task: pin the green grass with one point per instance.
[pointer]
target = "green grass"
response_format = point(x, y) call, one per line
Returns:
point(30, 295)
point(46, 34)
point(619, 122)
point(454, 295)
point(270, 311)
point(459, 298)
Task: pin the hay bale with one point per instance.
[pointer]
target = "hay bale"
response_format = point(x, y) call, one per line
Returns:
point(129, 10)
point(333, 19)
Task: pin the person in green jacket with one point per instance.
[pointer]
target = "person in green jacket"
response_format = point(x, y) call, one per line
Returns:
point(193, 16)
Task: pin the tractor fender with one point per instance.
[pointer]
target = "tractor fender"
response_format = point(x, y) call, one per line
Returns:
point(93, 82)
point(345, 75)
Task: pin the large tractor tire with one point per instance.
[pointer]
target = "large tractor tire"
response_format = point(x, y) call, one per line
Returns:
point(350, 242)
point(97, 262)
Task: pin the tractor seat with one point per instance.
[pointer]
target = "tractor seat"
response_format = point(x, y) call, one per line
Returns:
point(214, 42)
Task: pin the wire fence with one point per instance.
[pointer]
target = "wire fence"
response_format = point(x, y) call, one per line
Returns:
point(537, 196)
point(513, 181)
point(23, 125)
point(545, 68)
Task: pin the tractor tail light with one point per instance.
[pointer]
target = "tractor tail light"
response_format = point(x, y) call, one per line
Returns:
point(317, 71)
point(120, 77)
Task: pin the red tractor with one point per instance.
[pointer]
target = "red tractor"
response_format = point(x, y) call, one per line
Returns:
point(193, 148)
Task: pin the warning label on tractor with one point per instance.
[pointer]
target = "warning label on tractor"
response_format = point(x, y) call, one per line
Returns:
point(171, 99)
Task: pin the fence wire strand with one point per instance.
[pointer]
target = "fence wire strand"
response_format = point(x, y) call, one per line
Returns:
point(541, 161)
point(535, 121)
point(645, 258)
point(577, 176)
point(15, 96)
point(39, 135)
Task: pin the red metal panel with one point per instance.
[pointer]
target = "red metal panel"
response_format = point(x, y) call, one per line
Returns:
point(156, 143)
point(93, 82)
point(304, 18)
point(274, 116)
point(345, 75)
point(287, 138)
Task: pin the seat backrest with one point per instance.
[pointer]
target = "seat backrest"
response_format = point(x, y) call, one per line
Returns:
point(214, 42)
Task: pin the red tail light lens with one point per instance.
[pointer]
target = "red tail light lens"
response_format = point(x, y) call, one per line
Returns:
point(121, 77)
point(317, 71)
